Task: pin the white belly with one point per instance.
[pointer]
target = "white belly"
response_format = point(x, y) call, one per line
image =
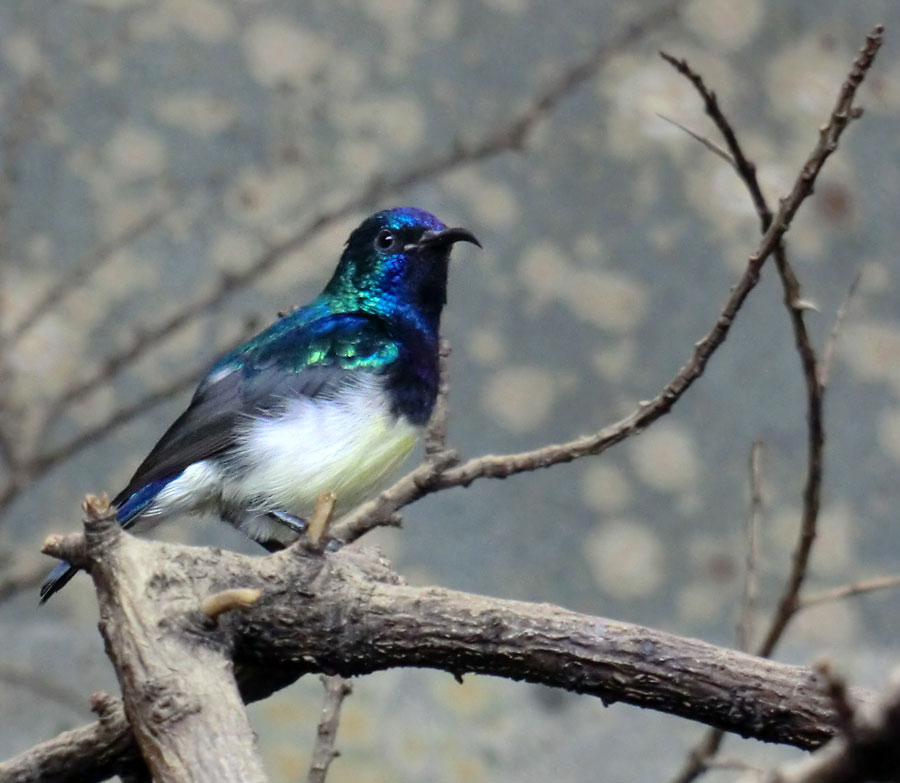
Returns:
point(349, 446)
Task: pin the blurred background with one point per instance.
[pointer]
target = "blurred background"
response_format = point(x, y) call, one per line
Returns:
point(175, 172)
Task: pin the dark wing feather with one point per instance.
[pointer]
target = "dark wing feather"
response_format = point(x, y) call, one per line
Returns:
point(309, 361)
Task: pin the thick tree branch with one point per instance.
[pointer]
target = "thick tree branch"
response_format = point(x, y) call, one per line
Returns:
point(180, 696)
point(349, 613)
point(867, 749)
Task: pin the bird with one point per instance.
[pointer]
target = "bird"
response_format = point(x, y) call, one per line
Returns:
point(331, 397)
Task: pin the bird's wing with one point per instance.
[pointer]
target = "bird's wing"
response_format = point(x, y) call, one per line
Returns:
point(295, 357)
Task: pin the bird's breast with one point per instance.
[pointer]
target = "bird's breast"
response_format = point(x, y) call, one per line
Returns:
point(349, 444)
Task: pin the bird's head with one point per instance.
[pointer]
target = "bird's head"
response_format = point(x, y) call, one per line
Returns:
point(395, 265)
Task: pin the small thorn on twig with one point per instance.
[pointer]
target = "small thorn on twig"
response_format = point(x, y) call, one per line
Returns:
point(804, 304)
point(229, 600)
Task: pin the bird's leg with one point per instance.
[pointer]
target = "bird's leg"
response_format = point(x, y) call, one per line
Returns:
point(294, 524)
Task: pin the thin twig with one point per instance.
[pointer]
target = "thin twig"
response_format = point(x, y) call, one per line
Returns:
point(510, 136)
point(841, 115)
point(40, 464)
point(831, 342)
point(863, 587)
point(320, 519)
point(86, 266)
point(436, 435)
point(336, 690)
point(746, 170)
point(707, 142)
point(751, 583)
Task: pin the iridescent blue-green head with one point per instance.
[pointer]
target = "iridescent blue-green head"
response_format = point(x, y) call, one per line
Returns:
point(395, 265)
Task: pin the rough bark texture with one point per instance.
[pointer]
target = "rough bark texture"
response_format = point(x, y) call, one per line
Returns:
point(354, 617)
point(173, 663)
point(349, 613)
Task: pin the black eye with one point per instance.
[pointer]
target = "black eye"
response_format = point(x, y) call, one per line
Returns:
point(385, 240)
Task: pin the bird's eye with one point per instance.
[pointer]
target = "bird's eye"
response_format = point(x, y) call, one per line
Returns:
point(385, 240)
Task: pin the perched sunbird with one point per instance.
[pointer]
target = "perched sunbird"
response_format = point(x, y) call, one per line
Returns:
point(331, 397)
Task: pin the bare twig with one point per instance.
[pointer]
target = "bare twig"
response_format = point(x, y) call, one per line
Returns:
point(50, 458)
point(427, 479)
point(863, 587)
point(707, 142)
point(336, 690)
point(510, 136)
point(751, 584)
point(844, 111)
point(831, 342)
point(80, 271)
point(436, 435)
point(321, 517)
point(867, 749)
point(841, 115)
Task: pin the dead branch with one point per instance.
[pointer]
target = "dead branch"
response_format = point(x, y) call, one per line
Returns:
point(436, 435)
point(349, 613)
point(180, 697)
point(867, 749)
point(851, 590)
point(336, 690)
point(751, 582)
point(843, 112)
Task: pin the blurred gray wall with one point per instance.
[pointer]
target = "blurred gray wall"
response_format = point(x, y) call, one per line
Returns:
point(610, 243)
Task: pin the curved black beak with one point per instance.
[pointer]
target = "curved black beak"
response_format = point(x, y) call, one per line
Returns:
point(445, 238)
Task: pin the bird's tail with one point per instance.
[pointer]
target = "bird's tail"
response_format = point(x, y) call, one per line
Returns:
point(58, 578)
point(63, 572)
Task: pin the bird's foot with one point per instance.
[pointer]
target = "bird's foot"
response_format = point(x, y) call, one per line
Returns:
point(299, 527)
